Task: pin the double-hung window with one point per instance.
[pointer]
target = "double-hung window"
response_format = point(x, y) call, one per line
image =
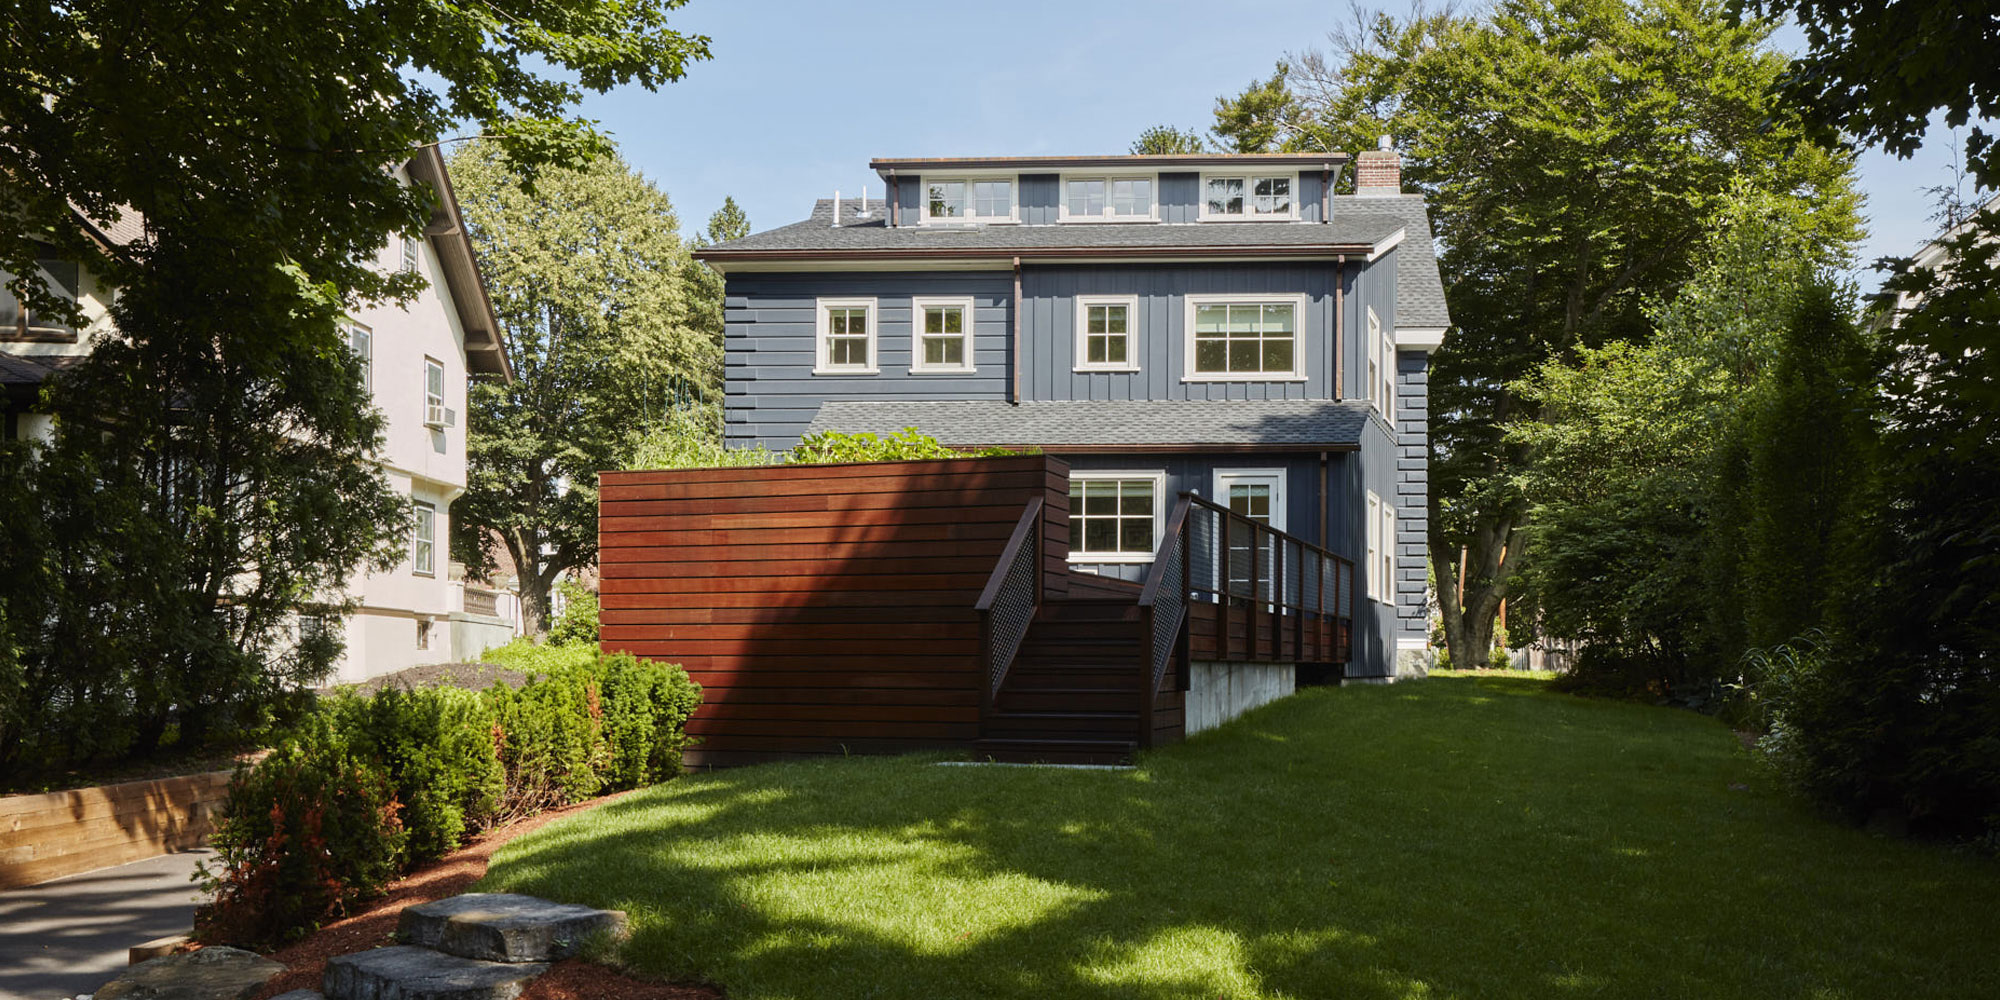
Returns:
point(1381, 569)
point(943, 338)
point(1115, 517)
point(411, 254)
point(1106, 333)
point(423, 540)
point(361, 341)
point(434, 411)
point(968, 199)
point(1381, 369)
point(845, 337)
point(1107, 199)
point(1244, 337)
point(1248, 197)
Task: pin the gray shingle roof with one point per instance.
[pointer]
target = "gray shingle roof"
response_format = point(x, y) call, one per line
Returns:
point(866, 234)
point(1055, 424)
point(1419, 290)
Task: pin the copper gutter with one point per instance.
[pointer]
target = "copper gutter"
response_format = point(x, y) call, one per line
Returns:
point(1014, 390)
point(961, 253)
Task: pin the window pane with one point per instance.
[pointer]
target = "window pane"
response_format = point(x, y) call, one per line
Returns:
point(1100, 534)
point(1277, 355)
point(1097, 317)
point(1086, 197)
point(857, 321)
point(1131, 197)
point(1225, 195)
point(1243, 356)
point(993, 199)
point(1114, 319)
point(954, 351)
point(1137, 498)
point(1114, 352)
point(1100, 497)
point(1210, 356)
point(1097, 350)
point(1277, 319)
point(1135, 535)
point(947, 199)
point(1210, 319)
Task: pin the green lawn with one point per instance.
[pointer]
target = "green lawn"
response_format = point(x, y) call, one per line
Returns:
point(1459, 837)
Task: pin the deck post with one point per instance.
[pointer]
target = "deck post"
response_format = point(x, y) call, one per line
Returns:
point(1185, 668)
point(1256, 580)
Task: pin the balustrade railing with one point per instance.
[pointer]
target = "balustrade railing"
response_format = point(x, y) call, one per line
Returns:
point(1007, 606)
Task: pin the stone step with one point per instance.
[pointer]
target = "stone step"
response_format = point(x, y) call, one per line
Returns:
point(300, 995)
point(208, 974)
point(405, 972)
point(506, 927)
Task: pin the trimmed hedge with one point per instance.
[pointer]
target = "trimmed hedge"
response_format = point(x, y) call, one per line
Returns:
point(368, 787)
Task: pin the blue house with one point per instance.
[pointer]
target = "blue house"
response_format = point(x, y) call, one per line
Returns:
point(1217, 325)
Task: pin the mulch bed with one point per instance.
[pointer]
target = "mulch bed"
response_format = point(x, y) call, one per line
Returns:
point(470, 676)
point(455, 873)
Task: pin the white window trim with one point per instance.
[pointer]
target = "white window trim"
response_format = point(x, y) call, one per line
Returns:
point(1159, 478)
point(1081, 325)
point(1388, 555)
point(367, 357)
point(412, 261)
point(1374, 536)
point(1063, 214)
point(1249, 194)
point(918, 303)
point(421, 507)
point(925, 218)
point(820, 363)
point(435, 412)
point(1193, 302)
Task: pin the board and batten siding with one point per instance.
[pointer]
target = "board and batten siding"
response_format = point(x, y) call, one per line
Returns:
point(1048, 308)
point(824, 609)
point(1039, 196)
point(1196, 474)
point(770, 392)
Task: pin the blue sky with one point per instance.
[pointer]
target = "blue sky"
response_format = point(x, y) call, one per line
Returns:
point(801, 95)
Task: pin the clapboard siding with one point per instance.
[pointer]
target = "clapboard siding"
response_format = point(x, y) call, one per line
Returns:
point(823, 609)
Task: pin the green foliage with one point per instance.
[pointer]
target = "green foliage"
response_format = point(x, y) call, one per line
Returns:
point(1575, 154)
point(908, 444)
point(690, 437)
point(577, 624)
point(308, 832)
point(1879, 70)
point(1254, 120)
point(606, 326)
point(729, 222)
point(1159, 140)
point(367, 787)
point(210, 473)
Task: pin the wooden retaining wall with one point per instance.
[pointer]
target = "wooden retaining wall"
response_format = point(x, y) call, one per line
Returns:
point(824, 609)
point(54, 834)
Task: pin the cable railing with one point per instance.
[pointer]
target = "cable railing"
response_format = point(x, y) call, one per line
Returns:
point(1289, 595)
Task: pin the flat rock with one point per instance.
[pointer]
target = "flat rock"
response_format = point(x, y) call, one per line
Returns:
point(505, 927)
point(300, 995)
point(208, 974)
point(403, 972)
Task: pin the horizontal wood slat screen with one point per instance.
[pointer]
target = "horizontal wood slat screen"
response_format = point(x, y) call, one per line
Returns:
point(824, 609)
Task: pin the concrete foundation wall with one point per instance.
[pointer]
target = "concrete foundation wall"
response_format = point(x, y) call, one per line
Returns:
point(1219, 691)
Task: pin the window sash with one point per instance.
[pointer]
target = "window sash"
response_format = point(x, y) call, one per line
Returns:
point(1374, 547)
point(1108, 197)
point(433, 383)
point(1388, 554)
point(1249, 196)
point(361, 341)
point(1105, 333)
point(969, 198)
point(1114, 516)
point(944, 337)
point(1245, 338)
point(423, 540)
point(848, 338)
point(411, 253)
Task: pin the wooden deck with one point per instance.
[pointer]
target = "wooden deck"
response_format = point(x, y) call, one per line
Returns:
point(831, 609)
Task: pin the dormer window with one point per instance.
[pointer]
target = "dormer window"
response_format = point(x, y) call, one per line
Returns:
point(1091, 198)
point(968, 199)
point(1248, 197)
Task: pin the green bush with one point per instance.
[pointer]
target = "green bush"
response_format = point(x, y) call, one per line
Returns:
point(577, 625)
point(366, 787)
point(908, 444)
point(308, 832)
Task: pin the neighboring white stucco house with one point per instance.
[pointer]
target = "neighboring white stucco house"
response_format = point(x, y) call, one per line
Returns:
point(418, 358)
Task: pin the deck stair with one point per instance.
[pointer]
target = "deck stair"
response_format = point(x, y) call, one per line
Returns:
point(1072, 694)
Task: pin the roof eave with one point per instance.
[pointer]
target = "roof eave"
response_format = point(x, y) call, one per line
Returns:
point(720, 257)
point(485, 341)
point(886, 166)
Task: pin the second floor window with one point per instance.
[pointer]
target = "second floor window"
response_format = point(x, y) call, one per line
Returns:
point(1381, 369)
point(361, 341)
point(944, 335)
point(423, 540)
point(18, 322)
point(1108, 198)
point(411, 250)
point(1251, 338)
point(1104, 333)
point(1247, 198)
point(434, 413)
point(969, 199)
point(846, 337)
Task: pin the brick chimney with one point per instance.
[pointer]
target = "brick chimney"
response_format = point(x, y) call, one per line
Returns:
point(1379, 171)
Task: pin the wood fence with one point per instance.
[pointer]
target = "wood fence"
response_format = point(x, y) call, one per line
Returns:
point(824, 609)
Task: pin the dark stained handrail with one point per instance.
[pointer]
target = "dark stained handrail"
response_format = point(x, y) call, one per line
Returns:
point(1164, 618)
point(1007, 605)
point(1259, 599)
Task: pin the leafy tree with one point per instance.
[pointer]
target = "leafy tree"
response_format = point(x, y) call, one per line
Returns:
point(209, 478)
point(729, 222)
point(690, 437)
point(1879, 69)
point(1160, 140)
point(593, 287)
point(1254, 121)
point(1575, 153)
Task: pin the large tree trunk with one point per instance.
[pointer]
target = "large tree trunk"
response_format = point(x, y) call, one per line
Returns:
point(1492, 554)
point(534, 583)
